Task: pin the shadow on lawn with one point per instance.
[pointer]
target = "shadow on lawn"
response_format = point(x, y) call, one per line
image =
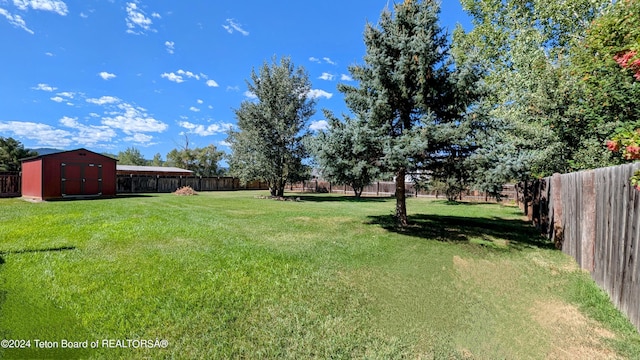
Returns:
point(344, 198)
point(493, 232)
point(26, 251)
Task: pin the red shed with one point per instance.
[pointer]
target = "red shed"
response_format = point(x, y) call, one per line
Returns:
point(68, 174)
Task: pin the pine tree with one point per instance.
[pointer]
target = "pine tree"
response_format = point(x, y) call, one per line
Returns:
point(347, 153)
point(409, 95)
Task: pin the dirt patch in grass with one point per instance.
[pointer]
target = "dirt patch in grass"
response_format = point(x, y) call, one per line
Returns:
point(575, 336)
point(520, 321)
point(555, 267)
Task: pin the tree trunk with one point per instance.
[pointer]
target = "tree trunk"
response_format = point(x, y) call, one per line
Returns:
point(401, 204)
point(357, 191)
point(280, 184)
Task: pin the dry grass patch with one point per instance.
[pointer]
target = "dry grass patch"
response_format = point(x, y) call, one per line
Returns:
point(575, 337)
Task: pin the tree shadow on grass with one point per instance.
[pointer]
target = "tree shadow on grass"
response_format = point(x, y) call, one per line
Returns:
point(342, 198)
point(26, 251)
point(491, 232)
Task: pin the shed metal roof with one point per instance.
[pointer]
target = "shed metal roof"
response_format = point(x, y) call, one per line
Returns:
point(159, 169)
point(65, 151)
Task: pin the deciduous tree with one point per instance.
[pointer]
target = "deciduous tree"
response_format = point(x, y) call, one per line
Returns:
point(535, 93)
point(267, 143)
point(202, 161)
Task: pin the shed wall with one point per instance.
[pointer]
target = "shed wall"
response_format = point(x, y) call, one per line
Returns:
point(32, 179)
point(70, 173)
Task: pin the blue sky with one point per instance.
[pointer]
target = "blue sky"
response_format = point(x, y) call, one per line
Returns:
point(107, 74)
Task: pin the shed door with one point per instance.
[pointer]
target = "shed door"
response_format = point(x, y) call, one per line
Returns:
point(81, 179)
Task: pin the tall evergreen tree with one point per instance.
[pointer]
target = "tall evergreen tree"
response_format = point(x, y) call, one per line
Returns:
point(131, 156)
point(268, 144)
point(409, 95)
point(347, 153)
point(11, 151)
point(157, 160)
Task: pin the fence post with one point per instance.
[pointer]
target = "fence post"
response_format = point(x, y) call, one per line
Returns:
point(558, 222)
point(589, 220)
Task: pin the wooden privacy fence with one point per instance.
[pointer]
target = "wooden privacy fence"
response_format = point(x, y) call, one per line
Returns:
point(10, 184)
point(388, 188)
point(164, 184)
point(128, 184)
point(594, 216)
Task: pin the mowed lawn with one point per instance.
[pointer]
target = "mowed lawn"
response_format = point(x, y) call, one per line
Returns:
point(229, 275)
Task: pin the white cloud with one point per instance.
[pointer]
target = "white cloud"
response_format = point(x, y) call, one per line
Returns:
point(345, 77)
point(56, 6)
point(328, 60)
point(170, 46)
point(224, 143)
point(327, 76)
point(47, 53)
point(138, 138)
point(232, 26)
point(83, 15)
point(16, 20)
point(104, 100)
point(201, 130)
point(88, 135)
point(44, 87)
point(319, 125)
point(57, 99)
point(137, 21)
point(250, 95)
point(211, 83)
point(132, 120)
point(194, 109)
point(172, 77)
point(188, 74)
point(106, 76)
point(67, 94)
point(233, 88)
point(200, 101)
point(156, 15)
point(317, 93)
point(43, 134)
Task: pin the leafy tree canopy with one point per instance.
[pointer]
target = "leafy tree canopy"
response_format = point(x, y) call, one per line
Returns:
point(131, 156)
point(202, 161)
point(268, 142)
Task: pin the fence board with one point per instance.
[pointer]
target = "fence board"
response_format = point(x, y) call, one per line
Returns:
point(595, 217)
point(10, 184)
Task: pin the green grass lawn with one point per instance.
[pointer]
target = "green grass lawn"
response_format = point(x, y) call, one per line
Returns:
point(229, 275)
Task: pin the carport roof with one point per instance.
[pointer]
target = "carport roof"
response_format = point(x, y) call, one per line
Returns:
point(159, 169)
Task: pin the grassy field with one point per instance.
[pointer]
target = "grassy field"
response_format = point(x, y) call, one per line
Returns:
point(230, 275)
